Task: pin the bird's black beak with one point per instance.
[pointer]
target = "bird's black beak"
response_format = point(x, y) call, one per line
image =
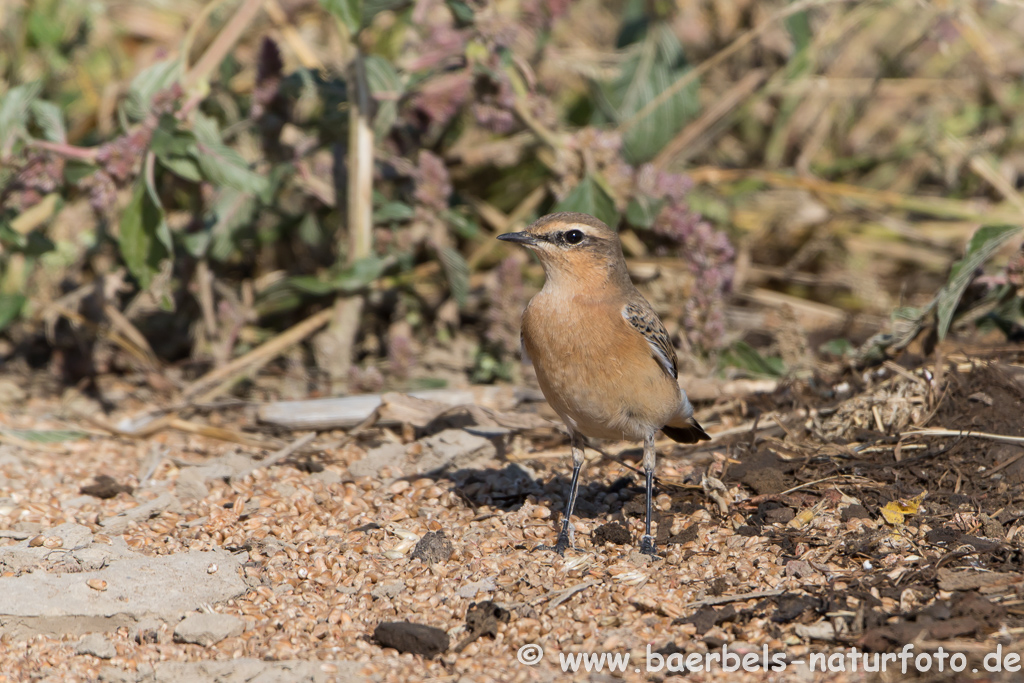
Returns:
point(519, 238)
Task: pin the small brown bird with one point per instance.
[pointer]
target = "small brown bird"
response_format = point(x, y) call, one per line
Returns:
point(603, 358)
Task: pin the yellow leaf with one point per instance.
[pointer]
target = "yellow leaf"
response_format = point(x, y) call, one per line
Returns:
point(895, 511)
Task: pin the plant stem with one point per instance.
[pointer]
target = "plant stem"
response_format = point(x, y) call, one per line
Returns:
point(360, 164)
point(67, 151)
point(223, 43)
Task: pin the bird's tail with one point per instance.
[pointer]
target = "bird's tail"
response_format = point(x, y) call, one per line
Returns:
point(686, 430)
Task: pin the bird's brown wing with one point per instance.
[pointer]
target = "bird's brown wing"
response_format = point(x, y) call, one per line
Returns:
point(644, 320)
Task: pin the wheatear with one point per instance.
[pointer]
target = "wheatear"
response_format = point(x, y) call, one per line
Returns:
point(603, 358)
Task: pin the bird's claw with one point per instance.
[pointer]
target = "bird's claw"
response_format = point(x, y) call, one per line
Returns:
point(564, 541)
point(647, 545)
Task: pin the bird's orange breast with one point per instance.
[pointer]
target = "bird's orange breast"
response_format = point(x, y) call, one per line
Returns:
point(597, 372)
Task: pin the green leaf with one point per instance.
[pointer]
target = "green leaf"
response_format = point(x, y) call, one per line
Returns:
point(462, 11)
point(310, 231)
point(590, 197)
point(231, 210)
point(466, 227)
point(799, 27)
point(983, 244)
point(170, 139)
point(642, 210)
point(745, 357)
point(840, 348)
point(77, 171)
point(50, 119)
point(10, 308)
point(141, 246)
point(456, 270)
point(385, 87)
point(348, 12)
point(46, 32)
point(221, 164)
point(392, 212)
point(13, 109)
point(148, 83)
point(37, 244)
point(183, 167)
point(176, 149)
point(653, 64)
point(10, 237)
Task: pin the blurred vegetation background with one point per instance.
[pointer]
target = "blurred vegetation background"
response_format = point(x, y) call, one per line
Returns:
point(315, 186)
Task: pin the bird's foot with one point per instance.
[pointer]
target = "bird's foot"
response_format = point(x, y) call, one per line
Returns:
point(647, 545)
point(564, 541)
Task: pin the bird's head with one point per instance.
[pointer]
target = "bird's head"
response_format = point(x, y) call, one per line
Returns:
point(573, 245)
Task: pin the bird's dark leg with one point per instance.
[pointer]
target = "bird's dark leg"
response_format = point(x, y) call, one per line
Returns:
point(650, 456)
point(566, 536)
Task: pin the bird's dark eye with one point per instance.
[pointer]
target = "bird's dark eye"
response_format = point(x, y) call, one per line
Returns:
point(574, 236)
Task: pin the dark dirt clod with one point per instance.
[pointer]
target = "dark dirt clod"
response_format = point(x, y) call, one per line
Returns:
point(613, 532)
point(790, 607)
point(966, 614)
point(779, 516)
point(855, 511)
point(433, 547)
point(686, 535)
point(766, 481)
point(405, 636)
point(104, 486)
point(635, 506)
point(482, 619)
point(707, 617)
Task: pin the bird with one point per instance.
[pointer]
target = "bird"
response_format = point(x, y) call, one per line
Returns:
point(602, 356)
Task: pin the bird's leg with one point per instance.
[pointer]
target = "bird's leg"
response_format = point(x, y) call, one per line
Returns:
point(566, 537)
point(650, 455)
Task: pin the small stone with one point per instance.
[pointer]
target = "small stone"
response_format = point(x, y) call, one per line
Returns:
point(97, 584)
point(118, 523)
point(433, 547)
point(389, 454)
point(469, 590)
point(104, 486)
point(387, 590)
point(191, 483)
point(71, 536)
point(77, 502)
point(415, 638)
point(326, 477)
point(207, 629)
point(96, 644)
point(453, 449)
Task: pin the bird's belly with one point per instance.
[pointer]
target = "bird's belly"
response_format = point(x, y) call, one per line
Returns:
point(607, 398)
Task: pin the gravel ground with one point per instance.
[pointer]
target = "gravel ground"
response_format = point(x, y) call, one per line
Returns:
point(762, 559)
